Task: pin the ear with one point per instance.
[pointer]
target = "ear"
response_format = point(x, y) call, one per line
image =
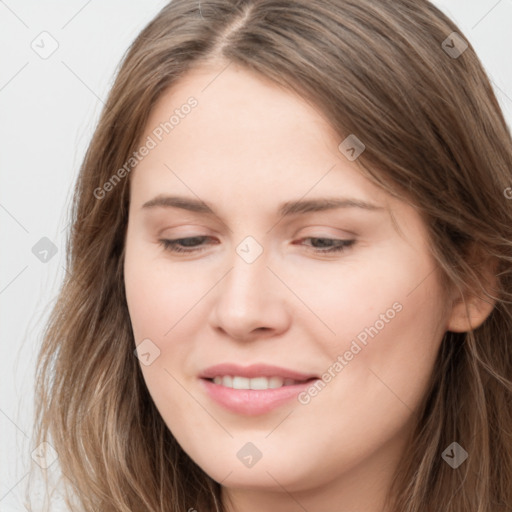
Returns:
point(464, 320)
point(470, 309)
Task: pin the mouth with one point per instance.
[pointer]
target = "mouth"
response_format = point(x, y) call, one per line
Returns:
point(253, 390)
point(255, 383)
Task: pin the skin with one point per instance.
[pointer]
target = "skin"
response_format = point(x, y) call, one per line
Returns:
point(246, 148)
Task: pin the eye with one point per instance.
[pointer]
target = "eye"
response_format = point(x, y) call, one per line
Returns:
point(189, 244)
point(328, 245)
point(195, 244)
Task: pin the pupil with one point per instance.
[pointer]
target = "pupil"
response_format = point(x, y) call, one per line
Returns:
point(188, 242)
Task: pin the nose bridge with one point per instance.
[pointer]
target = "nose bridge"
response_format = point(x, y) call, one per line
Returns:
point(248, 279)
point(247, 299)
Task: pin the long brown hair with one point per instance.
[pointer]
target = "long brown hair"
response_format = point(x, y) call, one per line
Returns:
point(435, 136)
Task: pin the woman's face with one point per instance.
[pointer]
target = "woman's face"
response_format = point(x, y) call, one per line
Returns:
point(291, 269)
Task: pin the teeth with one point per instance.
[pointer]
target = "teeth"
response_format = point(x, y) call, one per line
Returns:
point(236, 382)
point(241, 383)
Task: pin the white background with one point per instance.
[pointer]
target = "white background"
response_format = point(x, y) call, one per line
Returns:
point(48, 110)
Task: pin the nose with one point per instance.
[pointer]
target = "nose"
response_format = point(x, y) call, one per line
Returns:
point(250, 302)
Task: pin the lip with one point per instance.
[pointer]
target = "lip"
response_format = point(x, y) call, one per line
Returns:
point(254, 370)
point(252, 402)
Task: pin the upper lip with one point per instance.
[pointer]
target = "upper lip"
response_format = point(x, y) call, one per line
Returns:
point(254, 370)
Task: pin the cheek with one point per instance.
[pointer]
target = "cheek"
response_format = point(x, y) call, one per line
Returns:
point(358, 292)
point(158, 303)
point(388, 319)
point(158, 295)
point(166, 306)
point(406, 349)
point(384, 353)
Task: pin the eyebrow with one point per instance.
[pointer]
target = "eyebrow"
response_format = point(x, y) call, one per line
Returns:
point(295, 207)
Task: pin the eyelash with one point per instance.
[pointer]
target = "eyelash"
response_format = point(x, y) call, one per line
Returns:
point(172, 245)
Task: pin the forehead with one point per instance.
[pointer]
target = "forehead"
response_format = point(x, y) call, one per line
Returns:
point(239, 111)
point(244, 133)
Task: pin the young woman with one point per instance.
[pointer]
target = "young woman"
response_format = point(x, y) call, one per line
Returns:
point(289, 270)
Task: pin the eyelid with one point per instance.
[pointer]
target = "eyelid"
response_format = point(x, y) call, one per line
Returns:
point(187, 230)
point(339, 245)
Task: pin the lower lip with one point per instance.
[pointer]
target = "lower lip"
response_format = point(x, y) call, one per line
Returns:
point(252, 402)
